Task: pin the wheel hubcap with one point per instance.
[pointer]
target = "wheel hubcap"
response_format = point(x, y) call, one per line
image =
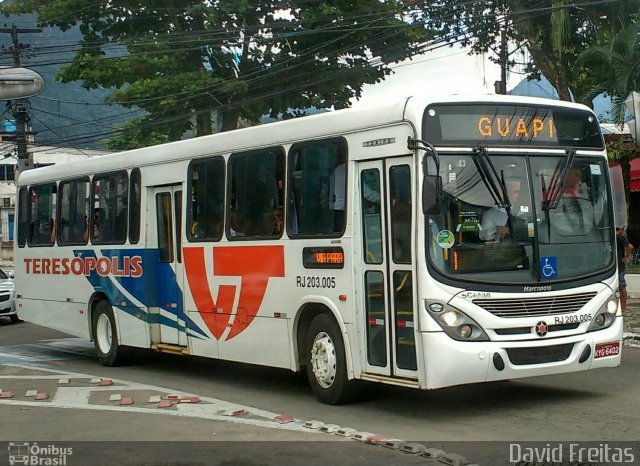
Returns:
point(323, 359)
point(103, 333)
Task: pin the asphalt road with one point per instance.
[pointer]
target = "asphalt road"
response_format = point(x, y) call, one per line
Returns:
point(234, 420)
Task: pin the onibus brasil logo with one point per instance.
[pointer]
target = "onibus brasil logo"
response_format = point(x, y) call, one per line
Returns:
point(38, 455)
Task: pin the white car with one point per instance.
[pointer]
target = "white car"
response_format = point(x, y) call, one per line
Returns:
point(8, 297)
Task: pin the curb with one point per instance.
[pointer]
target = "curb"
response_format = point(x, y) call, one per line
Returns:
point(631, 340)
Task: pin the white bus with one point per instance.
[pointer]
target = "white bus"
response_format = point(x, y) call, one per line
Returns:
point(422, 243)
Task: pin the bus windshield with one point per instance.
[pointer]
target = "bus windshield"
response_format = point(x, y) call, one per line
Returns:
point(521, 219)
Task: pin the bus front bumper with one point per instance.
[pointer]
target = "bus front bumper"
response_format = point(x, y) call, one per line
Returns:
point(452, 362)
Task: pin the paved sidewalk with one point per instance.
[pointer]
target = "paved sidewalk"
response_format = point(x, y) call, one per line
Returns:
point(632, 322)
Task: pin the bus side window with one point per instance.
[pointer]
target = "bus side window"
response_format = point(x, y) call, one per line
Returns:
point(318, 183)
point(42, 214)
point(205, 203)
point(110, 205)
point(135, 194)
point(24, 225)
point(73, 211)
point(256, 192)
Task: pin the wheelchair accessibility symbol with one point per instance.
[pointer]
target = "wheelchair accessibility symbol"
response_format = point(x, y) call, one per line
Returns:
point(548, 267)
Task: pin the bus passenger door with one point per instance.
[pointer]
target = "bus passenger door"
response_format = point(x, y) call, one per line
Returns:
point(164, 238)
point(387, 224)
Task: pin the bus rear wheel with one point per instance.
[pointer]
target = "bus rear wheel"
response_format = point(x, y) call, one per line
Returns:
point(105, 336)
point(326, 362)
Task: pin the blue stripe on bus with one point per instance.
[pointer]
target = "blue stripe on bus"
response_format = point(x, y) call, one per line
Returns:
point(154, 271)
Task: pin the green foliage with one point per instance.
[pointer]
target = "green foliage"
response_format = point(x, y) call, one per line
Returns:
point(184, 60)
point(617, 150)
point(136, 134)
point(614, 64)
point(554, 32)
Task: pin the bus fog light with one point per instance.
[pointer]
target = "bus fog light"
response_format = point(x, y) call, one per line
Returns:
point(465, 331)
point(436, 307)
point(600, 320)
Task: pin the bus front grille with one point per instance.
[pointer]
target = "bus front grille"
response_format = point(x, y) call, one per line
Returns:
point(539, 355)
point(532, 307)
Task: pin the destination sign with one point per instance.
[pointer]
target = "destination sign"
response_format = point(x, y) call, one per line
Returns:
point(514, 125)
point(323, 258)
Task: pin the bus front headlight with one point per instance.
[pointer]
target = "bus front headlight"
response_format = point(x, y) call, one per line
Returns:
point(456, 323)
point(605, 316)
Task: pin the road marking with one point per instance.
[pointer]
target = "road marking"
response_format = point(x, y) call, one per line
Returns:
point(79, 398)
point(34, 356)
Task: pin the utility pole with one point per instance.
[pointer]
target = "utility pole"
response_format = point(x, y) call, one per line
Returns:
point(20, 105)
point(501, 86)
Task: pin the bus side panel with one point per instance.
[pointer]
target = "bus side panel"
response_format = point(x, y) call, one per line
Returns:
point(71, 318)
point(132, 328)
point(205, 344)
point(265, 341)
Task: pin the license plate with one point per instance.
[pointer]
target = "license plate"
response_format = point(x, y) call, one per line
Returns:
point(604, 350)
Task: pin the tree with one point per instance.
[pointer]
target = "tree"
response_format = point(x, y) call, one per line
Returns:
point(181, 60)
point(614, 64)
point(555, 32)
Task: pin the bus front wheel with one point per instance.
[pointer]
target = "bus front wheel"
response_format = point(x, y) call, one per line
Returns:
point(326, 362)
point(105, 336)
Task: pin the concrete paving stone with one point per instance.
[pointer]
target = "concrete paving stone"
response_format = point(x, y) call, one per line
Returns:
point(20, 388)
point(103, 397)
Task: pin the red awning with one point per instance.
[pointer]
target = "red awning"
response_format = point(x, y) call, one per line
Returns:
point(635, 175)
point(635, 169)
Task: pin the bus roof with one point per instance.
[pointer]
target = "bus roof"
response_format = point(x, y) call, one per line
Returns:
point(316, 126)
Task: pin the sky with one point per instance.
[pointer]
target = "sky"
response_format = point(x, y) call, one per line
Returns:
point(448, 70)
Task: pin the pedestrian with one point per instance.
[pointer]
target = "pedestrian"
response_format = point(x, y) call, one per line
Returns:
point(624, 249)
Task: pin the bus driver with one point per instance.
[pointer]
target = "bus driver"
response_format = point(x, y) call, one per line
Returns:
point(494, 221)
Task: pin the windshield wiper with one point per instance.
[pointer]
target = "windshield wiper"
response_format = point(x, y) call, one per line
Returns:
point(489, 175)
point(559, 182)
point(492, 180)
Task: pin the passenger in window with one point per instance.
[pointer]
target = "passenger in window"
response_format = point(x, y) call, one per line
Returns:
point(278, 221)
point(52, 230)
point(121, 218)
point(494, 225)
point(95, 229)
point(233, 224)
point(338, 186)
point(575, 200)
point(207, 227)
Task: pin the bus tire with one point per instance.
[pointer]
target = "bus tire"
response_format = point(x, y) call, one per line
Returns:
point(105, 336)
point(326, 362)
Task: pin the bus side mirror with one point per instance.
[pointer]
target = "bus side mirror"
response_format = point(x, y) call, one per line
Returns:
point(431, 194)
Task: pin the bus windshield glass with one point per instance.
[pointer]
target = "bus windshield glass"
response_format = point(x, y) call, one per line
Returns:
point(522, 219)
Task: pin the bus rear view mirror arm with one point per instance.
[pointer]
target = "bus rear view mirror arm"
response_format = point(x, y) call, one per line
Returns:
point(432, 184)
